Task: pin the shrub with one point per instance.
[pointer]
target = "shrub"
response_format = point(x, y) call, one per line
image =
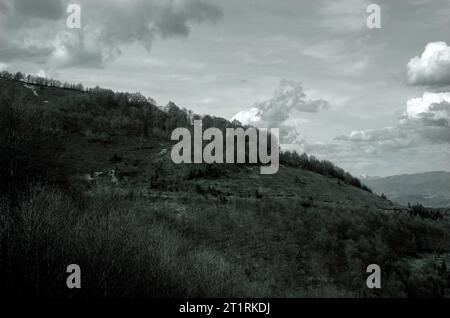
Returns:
point(124, 249)
point(200, 171)
point(420, 210)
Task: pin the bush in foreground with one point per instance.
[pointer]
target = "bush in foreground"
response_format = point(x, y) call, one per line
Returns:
point(121, 248)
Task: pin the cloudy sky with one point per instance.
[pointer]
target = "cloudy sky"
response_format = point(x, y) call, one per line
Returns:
point(374, 101)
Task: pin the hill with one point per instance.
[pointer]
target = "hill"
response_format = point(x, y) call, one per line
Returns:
point(430, 189)
point(139, 225)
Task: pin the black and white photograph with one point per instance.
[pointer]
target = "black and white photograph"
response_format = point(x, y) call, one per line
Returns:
point(245, 150)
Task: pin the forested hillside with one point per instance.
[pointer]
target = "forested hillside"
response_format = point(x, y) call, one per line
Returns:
point(88, 179)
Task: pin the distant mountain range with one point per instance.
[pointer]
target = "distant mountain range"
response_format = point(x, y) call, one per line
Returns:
point(430, 189)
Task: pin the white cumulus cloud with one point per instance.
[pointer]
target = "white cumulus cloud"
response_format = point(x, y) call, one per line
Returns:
point(248, 117)
point(431, 108)
point(432, 67)
point(276, 112)
point(289, 97)
point(424, 122)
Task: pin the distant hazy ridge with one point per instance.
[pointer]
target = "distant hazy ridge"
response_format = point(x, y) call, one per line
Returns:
point(429, 189)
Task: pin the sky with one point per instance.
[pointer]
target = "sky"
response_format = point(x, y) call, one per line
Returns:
point(374, 101)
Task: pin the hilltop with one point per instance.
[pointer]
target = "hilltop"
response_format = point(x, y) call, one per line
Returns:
point(140, 225)
point(91, 145)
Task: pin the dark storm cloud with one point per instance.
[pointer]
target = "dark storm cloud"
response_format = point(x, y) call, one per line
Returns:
point(31, 27)
point(3, 7)
point(143, 20)
point(174, 21)
point(45, 9)
point(31, 53)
